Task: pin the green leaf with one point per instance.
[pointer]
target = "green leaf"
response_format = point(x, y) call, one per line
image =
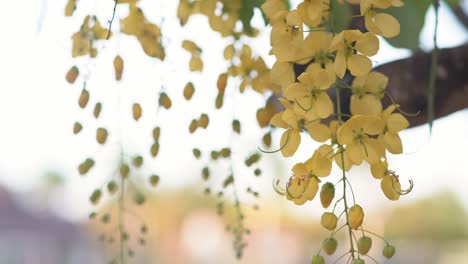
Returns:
point(411, 17)
point(453, 3)
point(246, 13)
point(341, 15)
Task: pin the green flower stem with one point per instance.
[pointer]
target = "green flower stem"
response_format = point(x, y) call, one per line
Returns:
point(122, 220)
point(379, 236)
point(433, 70)
point(344, 179)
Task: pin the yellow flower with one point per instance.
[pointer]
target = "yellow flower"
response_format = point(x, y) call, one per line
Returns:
point(272, 9)
point(309, 96)
point(346, 43)
point(303, 185)
point(301, 188)
point(391, 186)
point(394, 123)
point(287, 37)
point(356, 135)
point(367, 92)
point(314, 12)
point(380, 23)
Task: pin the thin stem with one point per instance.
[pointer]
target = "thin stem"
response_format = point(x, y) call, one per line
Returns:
point(121, 220)
point(112, 19)
point(433, 70)
point(379, 236)
point(342, 256)
point(345, 202)
point(352, 191)
point(336, 203)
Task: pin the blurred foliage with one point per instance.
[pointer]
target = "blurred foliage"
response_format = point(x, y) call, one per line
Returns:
point(439, 217)
point(412, 16)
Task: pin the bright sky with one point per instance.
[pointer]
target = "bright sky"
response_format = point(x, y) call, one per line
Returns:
point(38, 108)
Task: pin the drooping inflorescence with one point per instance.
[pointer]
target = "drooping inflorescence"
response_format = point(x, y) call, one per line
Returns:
point(307, 36)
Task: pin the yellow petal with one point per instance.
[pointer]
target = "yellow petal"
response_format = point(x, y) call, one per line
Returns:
point(296, 91)
point(318, 131)
point(277, 121)
point(391, 187)
point(196, 64)
point(365, 105)
point(367, 44)
point(393, 143)
point(312, 189)
point(373, 149)
point(339, 160)
point(290, 141)
point(323, 106)
point(337, 42)
point(382, 4)
point(319, 165)
point(372, 125)
point(389, 26)
point(300, 169)
point(397, 122)
point(369, 21)
point(355, 152)
point(376, 82)
point(290, 118)
point(345, 134)
point(379, 169)
point(340, 64)
point(359, 65)
point(282, 74)
point(352, 35)
point(364, 6)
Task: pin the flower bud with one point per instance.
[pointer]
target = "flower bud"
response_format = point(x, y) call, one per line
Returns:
point(389, 251)
point(189, 89)
point(355, 216)
point(137, 111)
point(77, 127)
point(154, 180)
point(204, 121)
point(124, 170)
point(329, 220)
point(154, 149)
point(327, 194)
point(364, 244)
point(318, 260)
point(112, 187)
point(72, 74)
point(137, 161)
point(101, 135)
point(156, 133)
point(236, 126)
point(329, 245)
point(84, 98)
point(97, 110)
point(85, 166)
point(118, 67)
point(95, 197)
point(165, 101)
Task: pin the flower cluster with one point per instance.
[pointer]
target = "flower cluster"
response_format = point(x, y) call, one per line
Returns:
point(367, 134)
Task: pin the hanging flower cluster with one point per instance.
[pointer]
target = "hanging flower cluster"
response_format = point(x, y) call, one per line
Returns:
point(368, 134)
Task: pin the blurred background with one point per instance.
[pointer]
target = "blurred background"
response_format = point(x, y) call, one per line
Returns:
point(44, 205)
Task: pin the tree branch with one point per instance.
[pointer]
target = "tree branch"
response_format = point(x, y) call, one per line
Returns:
point(409, 83)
